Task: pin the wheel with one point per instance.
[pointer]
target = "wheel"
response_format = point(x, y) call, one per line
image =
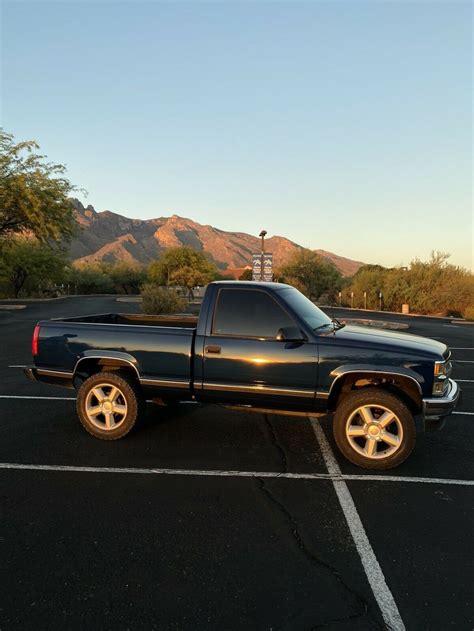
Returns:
point(108, 405)
point(374, 429)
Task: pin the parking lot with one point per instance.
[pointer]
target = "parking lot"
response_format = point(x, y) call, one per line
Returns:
point(209, 518)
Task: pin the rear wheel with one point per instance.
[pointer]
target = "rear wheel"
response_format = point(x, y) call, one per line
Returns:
point(108, 405)
point(374, 429)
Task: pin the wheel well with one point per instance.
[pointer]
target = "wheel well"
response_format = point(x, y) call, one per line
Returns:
point(91, 366)
point(403, 387)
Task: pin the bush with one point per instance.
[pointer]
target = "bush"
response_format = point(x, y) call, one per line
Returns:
point(469, 313)
point(161, 300)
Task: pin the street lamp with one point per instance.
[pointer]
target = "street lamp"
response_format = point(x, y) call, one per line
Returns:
point(262, 236)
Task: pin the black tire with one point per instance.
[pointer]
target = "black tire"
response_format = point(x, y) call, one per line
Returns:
point(128, 399)
point(367, 410)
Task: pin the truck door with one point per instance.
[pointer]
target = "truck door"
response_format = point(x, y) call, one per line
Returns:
point(244, 362)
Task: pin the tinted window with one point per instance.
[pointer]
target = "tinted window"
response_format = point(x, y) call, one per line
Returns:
point(248, 313)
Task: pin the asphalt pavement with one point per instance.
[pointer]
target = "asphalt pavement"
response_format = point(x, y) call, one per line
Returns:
point(206, 518)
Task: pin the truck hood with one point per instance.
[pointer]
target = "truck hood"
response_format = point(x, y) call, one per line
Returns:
point(390, 340)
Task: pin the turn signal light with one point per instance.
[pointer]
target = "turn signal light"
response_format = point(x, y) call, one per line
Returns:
point(34, 341)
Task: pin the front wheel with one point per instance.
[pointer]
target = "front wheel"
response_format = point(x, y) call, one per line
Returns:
point(374, 429)
point(108, 405)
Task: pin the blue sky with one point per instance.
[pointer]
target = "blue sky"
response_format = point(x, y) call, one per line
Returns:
point(345, 126)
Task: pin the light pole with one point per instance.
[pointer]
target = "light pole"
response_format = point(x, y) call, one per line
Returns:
point(262, 236)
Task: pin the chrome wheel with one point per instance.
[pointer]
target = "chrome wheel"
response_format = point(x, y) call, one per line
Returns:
point(374, 431)
point(106, 406)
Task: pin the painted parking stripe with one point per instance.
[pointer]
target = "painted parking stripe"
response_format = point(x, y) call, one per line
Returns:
point(373, 571)
point(463, 361)
point(18, 396)
point(233, 474)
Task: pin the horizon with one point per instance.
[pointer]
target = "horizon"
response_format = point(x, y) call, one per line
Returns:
point(345, 127)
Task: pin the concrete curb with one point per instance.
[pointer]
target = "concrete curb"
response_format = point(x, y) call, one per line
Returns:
point(130, 299)
point(12, 307)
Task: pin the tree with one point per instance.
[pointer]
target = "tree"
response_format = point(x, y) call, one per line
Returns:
point(370, 279)
point(33, 193)
point(127, 278)
point(27, 264)
point(246, 274)
point(312, 274)
point(182, 266)
point(433, 286)
point(90, 279)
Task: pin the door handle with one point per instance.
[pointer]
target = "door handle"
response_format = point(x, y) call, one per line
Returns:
point(213, 349)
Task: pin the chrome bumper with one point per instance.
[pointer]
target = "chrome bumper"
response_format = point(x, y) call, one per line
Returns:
point(435, 408)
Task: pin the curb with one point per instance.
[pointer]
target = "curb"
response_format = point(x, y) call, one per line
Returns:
point(12, 307)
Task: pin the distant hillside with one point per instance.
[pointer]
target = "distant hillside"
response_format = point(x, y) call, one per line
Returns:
point(106, 236)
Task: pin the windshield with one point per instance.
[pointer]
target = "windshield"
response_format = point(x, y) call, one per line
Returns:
point(309, 312)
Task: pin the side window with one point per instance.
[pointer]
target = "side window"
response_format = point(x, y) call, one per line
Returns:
point(248, 313)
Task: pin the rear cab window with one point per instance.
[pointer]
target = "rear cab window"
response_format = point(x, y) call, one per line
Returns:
point(248, 313)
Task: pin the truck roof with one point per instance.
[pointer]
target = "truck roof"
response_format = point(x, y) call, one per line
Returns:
point(250, 284)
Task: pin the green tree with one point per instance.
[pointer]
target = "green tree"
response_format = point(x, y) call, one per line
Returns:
point(312, 275)
point(90, 279)
point(34, 194)
point(182, 266)
point(434, 286)
point(29, 266)
point(370, 279)
point(126, 278)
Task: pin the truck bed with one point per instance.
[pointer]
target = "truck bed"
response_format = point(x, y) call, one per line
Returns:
point(182, 320)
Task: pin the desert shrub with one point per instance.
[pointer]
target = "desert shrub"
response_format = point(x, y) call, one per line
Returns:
point(161, 300)
point(469, 313)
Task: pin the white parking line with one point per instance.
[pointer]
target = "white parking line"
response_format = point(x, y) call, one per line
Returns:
point(463, 361)
point(18, 396)
point(235, 474)
point(373, 571)
point(17, 366)
point(465, 380)
point(461, 348)
point(462, 413)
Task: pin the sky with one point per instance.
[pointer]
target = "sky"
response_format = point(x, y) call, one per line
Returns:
point(341, 125)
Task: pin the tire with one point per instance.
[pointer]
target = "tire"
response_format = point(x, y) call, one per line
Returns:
point(109, 405)
point(374, 429)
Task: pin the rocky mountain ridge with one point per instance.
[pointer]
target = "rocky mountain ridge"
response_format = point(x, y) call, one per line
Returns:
point(109, 237)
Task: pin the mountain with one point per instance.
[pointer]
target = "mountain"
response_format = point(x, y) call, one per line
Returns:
point(109, 237)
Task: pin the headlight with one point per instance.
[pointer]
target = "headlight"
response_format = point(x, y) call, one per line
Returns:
point(442, 370)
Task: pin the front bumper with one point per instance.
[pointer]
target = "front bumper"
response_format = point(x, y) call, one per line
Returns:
point(436, 408)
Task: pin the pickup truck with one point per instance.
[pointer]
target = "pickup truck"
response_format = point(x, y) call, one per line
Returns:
point(256, 347)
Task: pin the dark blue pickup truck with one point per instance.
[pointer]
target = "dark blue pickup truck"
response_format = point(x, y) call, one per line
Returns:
point(256, 346)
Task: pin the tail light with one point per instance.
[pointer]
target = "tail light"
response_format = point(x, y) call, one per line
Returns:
point(34, 341)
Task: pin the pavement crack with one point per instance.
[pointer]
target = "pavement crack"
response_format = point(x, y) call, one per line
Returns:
point(313, 559)
point(276, 443)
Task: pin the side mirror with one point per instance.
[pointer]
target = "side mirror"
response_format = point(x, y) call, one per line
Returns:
point(290, 334)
